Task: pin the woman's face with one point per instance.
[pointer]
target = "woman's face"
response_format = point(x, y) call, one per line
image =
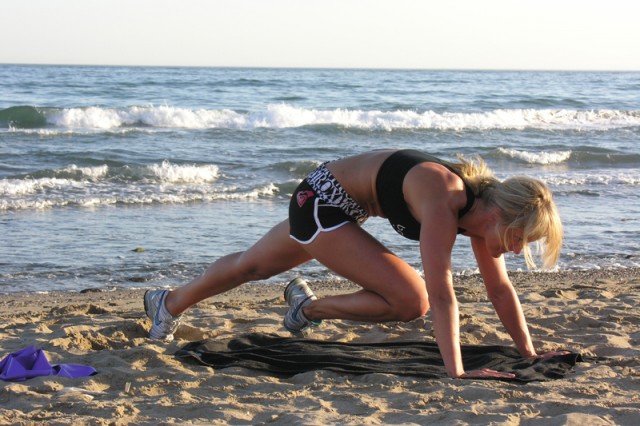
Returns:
point(496, 241)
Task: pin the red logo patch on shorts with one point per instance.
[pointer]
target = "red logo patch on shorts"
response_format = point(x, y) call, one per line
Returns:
point(303, 196)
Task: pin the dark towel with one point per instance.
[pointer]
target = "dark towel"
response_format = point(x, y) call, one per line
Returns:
point(288, 356)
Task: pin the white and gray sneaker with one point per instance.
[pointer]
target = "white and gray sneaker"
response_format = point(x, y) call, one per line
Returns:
point(298, 295)
point(163, 324)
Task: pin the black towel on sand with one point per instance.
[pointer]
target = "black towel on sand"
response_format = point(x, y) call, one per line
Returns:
point(285, 356)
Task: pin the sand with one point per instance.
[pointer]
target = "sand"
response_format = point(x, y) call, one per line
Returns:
point(140, 381)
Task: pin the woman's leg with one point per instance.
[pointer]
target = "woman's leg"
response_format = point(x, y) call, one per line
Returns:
point(392, 290)
point(274, 253)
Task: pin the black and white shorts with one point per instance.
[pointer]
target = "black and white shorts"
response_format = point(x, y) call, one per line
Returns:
point(320, 204)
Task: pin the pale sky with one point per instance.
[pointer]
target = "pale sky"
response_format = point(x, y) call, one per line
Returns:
point(423, 34)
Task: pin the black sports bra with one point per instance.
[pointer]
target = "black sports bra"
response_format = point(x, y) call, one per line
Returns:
point(389, 189)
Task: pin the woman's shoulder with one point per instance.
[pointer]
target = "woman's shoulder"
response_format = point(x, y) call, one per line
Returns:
point(434, 184)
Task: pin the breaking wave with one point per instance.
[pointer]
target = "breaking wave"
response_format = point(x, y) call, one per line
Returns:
point(288, 116)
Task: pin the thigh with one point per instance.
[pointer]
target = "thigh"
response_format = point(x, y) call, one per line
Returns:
point(354, 254)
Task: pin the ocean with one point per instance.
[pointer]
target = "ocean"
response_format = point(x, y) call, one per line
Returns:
point(116, 177)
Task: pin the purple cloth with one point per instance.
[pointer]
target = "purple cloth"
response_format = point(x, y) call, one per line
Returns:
point(32, 362)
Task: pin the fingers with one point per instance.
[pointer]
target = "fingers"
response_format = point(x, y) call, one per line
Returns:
point(493, 374)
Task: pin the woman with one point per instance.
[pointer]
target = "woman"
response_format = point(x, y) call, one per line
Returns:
point(425, 199)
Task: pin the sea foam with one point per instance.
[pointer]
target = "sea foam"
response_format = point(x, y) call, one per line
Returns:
point(163, 183)
point(173, 173)
point(536, 157)
point(280, 116)
point(73, 177)
point(630, 178)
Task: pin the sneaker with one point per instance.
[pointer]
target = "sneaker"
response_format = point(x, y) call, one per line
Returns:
point(298, 295)
point(163, 324)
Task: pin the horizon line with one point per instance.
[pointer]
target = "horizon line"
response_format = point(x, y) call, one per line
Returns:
point(336, 68)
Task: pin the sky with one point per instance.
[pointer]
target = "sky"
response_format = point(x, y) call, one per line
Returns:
point(416, 34)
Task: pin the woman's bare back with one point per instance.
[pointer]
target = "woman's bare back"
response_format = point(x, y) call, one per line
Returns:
point(357, 175)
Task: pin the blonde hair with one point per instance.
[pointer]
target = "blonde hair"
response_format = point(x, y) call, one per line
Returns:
point(525, 204)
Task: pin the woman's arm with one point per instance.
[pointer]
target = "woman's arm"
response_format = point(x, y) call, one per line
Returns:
point(428, 190)
point(435, 247)
point(503, 297)
point(435, 196)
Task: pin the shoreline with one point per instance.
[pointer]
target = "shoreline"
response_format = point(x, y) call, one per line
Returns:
point(140, 381)
point(517, 277)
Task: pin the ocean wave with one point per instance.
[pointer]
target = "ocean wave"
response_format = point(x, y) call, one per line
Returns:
point(165, 172)
point(52, 193)
point(53, 132)
point(173, 173)
point(284, 115)
point(104, 185)
point(595, 179)
point(543, 157)
point(23, 116)
point(601, 156)
point(579, 156)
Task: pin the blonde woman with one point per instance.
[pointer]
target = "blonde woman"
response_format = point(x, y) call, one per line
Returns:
point(425, 199)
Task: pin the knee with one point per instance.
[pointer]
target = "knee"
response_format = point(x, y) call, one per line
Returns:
point(256, 274)
point(239, 268)
point(246, 272)
point(249, 270)
point(410, 308)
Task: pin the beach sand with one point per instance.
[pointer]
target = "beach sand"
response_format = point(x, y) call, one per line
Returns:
point(140, 382)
